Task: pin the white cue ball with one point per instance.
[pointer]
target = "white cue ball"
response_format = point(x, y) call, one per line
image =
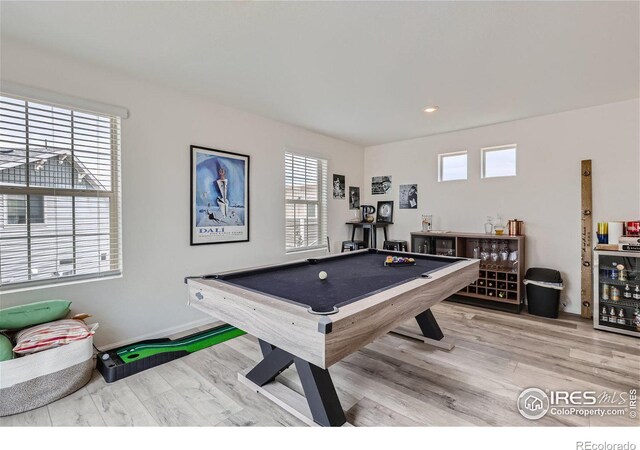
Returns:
point(322, 275)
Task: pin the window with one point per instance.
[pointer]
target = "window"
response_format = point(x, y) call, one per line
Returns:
point(499, 161)
point(59, 194)
point(17, 209)
point(305, 202)
point(452, 166)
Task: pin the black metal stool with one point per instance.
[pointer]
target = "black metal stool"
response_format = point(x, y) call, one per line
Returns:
point(352, 245)
point(398, 246)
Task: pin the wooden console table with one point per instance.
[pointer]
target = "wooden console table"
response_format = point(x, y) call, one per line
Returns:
point(369, 232)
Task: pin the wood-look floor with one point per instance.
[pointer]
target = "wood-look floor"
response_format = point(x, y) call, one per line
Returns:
point(391, 382)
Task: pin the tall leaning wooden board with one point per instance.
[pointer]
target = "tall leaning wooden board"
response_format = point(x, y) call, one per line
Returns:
point(586, 251)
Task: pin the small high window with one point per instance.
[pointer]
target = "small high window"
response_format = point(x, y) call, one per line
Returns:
point(499, 161)
point(452, 166)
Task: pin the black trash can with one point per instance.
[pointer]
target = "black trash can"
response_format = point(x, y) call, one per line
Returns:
point(543, 291)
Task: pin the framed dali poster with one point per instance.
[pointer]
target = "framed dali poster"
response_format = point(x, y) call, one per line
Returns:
point(219, 196)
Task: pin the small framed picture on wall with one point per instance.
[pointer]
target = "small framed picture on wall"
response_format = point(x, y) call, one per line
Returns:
point(354, 197)
point(385, 212)
point(338, 186)
point(408, 196)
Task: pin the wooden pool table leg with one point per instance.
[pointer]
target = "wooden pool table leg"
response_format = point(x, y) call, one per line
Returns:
point(321, 397)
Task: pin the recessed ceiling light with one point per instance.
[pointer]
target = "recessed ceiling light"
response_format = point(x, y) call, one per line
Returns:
point(430, 109)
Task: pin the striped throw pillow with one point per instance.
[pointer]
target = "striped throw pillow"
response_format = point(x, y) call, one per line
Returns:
point(50, 335)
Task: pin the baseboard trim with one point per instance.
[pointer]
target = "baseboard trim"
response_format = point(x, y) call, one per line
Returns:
point(160, 333)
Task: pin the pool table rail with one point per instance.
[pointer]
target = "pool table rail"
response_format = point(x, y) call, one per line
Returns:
point(357, 324)
point(325, 340)
point(286, 325)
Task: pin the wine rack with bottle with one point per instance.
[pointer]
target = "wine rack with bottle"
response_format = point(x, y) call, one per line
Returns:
point(499, 284)
point(616, 292)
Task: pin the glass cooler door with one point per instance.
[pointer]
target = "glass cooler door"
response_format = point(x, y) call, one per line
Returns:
point(617, 292)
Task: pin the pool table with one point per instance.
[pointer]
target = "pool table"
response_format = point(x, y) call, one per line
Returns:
point(301, 319)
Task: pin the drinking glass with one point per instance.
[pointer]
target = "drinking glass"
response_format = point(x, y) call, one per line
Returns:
point(476, 250)
point(513, 260)
point(484, 255)
point(494, 253)
point(504, 255)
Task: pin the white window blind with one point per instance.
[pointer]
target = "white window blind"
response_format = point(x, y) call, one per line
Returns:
point(59, 194)
point(305, 202)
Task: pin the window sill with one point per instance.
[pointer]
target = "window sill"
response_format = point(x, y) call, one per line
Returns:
point(12, 290)
point(305, 250)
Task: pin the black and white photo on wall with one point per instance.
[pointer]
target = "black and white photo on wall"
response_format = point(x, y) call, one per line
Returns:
point(408, 196)
point(380, 185)
point(338, 186)
point(354, 197)
point(385, 212)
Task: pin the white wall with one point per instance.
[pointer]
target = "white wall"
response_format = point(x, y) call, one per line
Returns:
point(546, 191)
point(151, 298)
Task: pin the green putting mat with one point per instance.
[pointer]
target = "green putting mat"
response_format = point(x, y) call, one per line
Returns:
point(189, 344)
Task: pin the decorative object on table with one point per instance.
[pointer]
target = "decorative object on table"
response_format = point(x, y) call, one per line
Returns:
point(498, 228)
point(354, 197)
point(367, 213)
point(632, 228)
point(408, 196)
point(488, 225)
point(427, 222)
point(614, 232)
point(385, 212)
point(603, 232)
point(515, 227)
point(219, 196)
point(380, 185)
point(338, 187)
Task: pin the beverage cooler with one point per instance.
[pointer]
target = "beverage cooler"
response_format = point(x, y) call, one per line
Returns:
point(616, 292)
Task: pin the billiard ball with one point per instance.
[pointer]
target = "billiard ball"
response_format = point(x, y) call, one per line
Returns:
point(322, 275)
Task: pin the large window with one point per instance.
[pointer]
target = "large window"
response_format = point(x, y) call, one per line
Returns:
point(452, 166)
point(305, 202)
point(59, 194)
point(499, 161)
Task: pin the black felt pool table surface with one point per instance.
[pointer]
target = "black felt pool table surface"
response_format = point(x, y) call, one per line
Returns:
point(350, 278)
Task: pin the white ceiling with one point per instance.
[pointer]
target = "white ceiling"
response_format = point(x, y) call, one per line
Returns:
point(354, 70)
